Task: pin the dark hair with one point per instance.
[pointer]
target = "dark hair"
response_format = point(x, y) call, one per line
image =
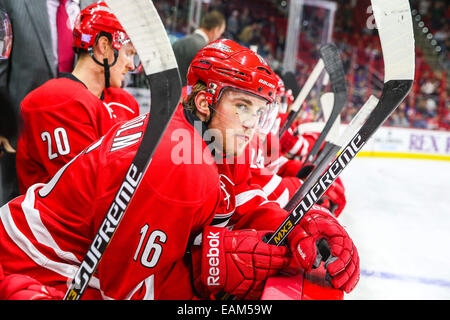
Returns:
point(189, 102)
point(212, 19)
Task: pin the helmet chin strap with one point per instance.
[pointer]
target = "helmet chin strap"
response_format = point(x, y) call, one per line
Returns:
point(105, 65)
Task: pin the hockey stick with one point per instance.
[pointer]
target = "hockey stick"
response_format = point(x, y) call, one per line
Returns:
point(290, 285)
point(313, 126)
point(326, 100)
point(395, 30)
point(318, 125)
point(298, 102)
point(335, 143)
point(290, 82)
point(334, 130)
point(335, 70)
point(146, 30)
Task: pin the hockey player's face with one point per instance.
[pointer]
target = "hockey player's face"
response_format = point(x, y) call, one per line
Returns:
point(125, 63)
point(236, 117)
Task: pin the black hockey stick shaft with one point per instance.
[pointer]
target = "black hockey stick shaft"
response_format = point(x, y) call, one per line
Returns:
point(394, 92)
point(335, 139)
point(335, 69)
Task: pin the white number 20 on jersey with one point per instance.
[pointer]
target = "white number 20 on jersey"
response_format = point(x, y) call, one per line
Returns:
point(61, 142)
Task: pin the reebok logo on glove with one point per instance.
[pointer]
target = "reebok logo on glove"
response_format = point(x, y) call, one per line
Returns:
point(214, 261)
point(235, 262)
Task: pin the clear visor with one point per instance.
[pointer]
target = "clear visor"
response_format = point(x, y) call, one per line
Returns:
point(6, 35)
point(129, 52)
point(267, 119)
point(258, 118)
point(252, 112)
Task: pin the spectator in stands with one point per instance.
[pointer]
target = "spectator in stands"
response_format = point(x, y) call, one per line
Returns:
point(245, 18)
point(233, 25)
point(212, 26)
point(399, 118)
point(40, 49)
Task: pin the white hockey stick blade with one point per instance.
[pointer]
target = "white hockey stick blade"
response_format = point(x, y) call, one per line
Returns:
point(327, 103)
point(304, 92)
point(310, 127)
point(141, 22)
point(395, 29)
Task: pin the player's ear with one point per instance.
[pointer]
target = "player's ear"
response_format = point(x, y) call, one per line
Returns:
point(202, 105)
point(103, 46)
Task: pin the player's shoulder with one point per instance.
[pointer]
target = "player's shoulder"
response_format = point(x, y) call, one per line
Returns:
point(184, 161)
point(171, 176)
point(57, 92)
point(120, 94)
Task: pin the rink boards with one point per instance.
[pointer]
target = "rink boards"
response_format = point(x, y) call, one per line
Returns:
point(394, 142)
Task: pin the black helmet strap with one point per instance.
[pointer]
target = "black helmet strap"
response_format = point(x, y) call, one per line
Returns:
point(104, 64)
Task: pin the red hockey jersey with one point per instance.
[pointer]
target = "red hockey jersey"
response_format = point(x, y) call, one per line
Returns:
point(60, 119)
point(46, 232)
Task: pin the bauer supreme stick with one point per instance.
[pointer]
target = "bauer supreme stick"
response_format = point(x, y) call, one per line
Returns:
point(292, 285)
point(336, 141)
point(143, 25)
point(394, 22)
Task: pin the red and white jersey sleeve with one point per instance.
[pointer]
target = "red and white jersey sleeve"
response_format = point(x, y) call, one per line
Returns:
point(303, 145)
point(59, 120)
point(47, 231)
point(277, 188)
point(253, 208)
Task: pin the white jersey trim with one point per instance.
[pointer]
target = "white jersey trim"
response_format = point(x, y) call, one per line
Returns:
point(38, 229)
point(272, 184)
point(283, 199)
point(301, 142)
point(149, 284)
point(246, 196)
point(63, 269)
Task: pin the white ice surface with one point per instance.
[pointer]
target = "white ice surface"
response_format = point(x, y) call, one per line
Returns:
point(398, 214)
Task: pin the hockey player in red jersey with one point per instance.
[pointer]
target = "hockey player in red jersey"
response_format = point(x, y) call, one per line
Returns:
point(277, 174)
point(173, 230)
point(252, 207)
point(64, 115)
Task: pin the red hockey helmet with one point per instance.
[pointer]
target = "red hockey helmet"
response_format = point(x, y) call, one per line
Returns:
point(93, 20)
point(281, 89)
point(286, 96)
point(226, 64)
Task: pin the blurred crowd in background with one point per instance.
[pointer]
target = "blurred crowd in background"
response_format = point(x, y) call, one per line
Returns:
point(263, 23)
